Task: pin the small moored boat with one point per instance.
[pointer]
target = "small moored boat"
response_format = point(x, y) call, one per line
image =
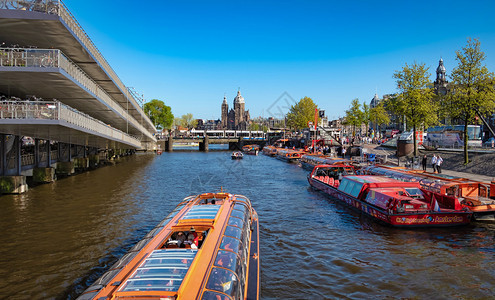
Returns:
point(270, 150)
point(237, 155)
point(206, 248)
point(251, 149)
point(289, 155)
point(397, 203)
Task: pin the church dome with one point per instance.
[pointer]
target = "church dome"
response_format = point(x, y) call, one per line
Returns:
point(441, 68)
point(224, 100)
point(238, 98)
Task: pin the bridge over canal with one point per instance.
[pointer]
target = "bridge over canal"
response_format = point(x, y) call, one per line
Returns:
point(235, 143)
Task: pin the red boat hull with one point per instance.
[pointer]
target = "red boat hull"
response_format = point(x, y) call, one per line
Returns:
point(430, 219)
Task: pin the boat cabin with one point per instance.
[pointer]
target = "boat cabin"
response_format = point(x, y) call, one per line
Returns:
point(290, 154)
point(323, 160)
point(270, 150)
point(386, 193)
point(204, 249)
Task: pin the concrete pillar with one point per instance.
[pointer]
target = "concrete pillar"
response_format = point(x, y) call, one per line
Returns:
point(93, 160)
point(203, 146)
point(37, 153)
point(48, 153)
point(13, 184)
point(81, 163)
point(169, 144)
point(234, 146)
point(3, 153)
point(65, 168)
point(44, 175)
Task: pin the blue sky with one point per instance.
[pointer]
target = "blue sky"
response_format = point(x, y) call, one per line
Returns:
point(190, 53)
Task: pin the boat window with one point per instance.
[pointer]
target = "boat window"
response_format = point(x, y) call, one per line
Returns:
point(223, 281)
point(226, 259)
point(343, 185)
point(349, 187)
point(236, 213)
point(233, 221)
point(202, 212)
point(231, 244)
point(210, 295)
point(357, 188)
point(242, 198)
point(414, 192)
point(163, 270)
point(233, 231)
point(241, 271)
point(240, 206)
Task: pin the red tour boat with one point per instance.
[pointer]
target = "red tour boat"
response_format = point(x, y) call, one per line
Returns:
point(400, 204)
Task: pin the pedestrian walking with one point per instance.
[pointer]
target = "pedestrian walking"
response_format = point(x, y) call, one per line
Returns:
point(439, 164)
point(424, 161)
point(343, 152)
point(434, 163)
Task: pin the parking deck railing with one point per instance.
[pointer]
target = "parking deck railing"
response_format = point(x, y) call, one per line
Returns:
point(55, 110)
point(54, 58)
point(57, 7)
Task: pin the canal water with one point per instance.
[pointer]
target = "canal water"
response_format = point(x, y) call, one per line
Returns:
point(58, 238)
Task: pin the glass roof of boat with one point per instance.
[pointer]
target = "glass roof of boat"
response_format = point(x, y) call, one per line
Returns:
point(163, 270)
point(370, 179)
point(202, 212)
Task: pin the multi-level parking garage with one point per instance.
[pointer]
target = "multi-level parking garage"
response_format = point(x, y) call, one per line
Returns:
point(56, 86)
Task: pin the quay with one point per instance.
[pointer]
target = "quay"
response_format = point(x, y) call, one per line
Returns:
point(62, 106)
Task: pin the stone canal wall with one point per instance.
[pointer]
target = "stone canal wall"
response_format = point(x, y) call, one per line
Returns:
point(482, 163)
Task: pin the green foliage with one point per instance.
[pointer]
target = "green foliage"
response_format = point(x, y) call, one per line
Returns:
point(301, 113)
point(472, 88)
point(354, 115)
point(415, 100)
point(379, 115)
point(258, 127)
point(188, 121)
point(159, 113)
point(6, 185)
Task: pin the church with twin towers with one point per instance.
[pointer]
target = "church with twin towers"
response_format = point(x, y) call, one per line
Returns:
point(236, 118)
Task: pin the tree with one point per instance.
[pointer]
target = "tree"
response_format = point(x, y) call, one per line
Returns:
point(301, 113)
point(188, 121)
point(160, 114)
point(354, 115)
point(366, 116)
point(472, 90)
point(415, 100)
point(379, 116)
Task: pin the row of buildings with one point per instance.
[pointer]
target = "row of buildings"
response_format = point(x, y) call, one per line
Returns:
point(238, 118)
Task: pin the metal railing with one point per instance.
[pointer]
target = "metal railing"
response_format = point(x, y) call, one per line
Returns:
point(54, 58)
point(54, 110)
point(44, 6)
point(474, 145)
point(58, 7)
point(20, 57)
